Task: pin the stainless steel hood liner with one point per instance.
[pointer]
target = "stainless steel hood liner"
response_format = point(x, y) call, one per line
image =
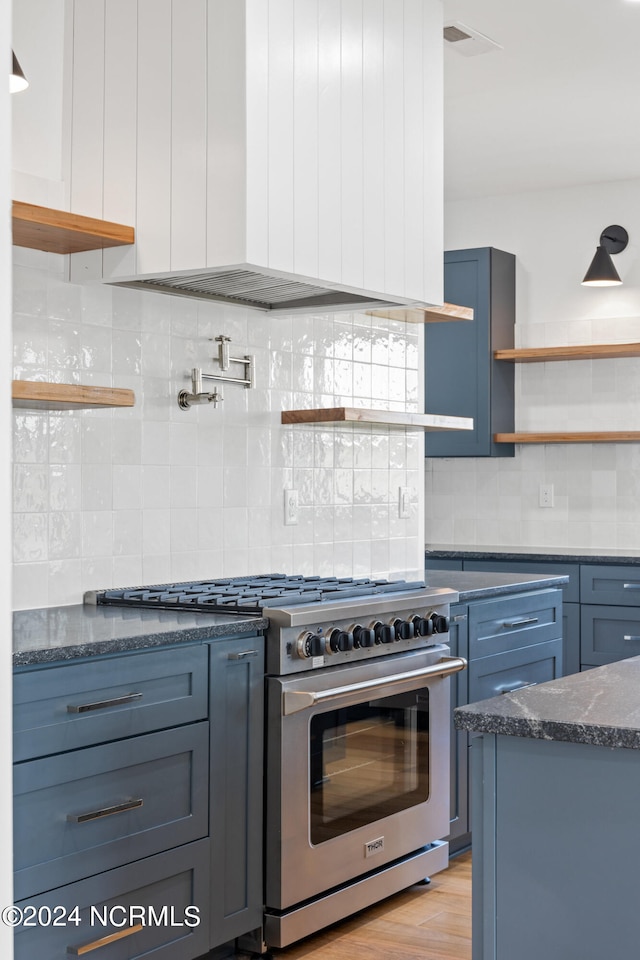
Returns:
point(250, 287)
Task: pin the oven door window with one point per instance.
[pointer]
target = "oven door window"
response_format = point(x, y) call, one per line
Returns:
point(367, 762)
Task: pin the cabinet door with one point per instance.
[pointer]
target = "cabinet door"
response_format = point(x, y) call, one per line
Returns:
point(107, 698)
point(608, 634)
point(79, 813)
point(461, 377)
point(610, 584)
point(501, 625)
point(507, 672)
point(236, 747)
point(118, 904)
point(458, 643)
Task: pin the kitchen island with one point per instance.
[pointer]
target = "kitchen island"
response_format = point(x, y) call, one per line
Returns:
point(556, 777)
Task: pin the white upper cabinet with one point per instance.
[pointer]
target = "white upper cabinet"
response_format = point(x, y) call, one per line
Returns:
point(284, 153)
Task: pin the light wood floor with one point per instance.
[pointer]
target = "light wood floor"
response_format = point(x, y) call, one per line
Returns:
point(431, 922)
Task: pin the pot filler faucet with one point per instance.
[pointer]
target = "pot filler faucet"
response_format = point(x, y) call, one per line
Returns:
point(197, 394)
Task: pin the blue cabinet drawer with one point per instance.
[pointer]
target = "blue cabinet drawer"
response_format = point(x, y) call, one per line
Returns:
point(608, 634)
point(508, 672)
point(498, 625)
point(98, 808)
point(107, 698)
point(169, 882)
point(604, 583)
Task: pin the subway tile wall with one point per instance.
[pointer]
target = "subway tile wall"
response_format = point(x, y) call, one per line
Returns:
point(153, 493)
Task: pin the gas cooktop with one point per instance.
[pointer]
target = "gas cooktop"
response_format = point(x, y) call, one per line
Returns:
point(250, 595)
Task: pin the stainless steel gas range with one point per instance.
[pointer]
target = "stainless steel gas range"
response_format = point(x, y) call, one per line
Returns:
point(357, 736)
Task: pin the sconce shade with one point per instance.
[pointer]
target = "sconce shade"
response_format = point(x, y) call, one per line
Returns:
point(601, 272)
point(17, 80)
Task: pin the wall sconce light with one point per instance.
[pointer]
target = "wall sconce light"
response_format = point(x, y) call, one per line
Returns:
point(17, 79)
point(602, 272)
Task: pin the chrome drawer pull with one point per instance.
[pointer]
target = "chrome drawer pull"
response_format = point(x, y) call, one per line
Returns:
point(459, 617)
point(103, 704)
point(519, 623)
point(628, 636)
point(631, 586)
point(242, 656)
point(104, 941)
point(517, 686)
point(105, 812)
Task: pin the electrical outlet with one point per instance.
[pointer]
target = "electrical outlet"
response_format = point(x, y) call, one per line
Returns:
point(290, 507)
point(404, 503)
point(546, 495)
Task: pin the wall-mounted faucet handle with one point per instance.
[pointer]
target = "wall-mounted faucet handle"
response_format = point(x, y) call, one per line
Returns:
point(223, 351)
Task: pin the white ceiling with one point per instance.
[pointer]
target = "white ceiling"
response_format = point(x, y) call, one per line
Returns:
point(558, 105)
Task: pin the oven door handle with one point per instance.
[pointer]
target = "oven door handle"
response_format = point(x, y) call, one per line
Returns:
point(295, 700)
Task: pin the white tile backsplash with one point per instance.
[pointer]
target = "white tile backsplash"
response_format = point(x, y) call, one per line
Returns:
point(153, 493)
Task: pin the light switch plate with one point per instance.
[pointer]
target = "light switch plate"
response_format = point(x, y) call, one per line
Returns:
point(290, 507)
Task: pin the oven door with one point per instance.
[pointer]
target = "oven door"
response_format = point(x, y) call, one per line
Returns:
point(357, 770)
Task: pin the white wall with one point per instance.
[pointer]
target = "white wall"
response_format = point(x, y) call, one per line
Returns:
point(40, 153)
point(495, 501)
point(6, 862)
point(153, 493)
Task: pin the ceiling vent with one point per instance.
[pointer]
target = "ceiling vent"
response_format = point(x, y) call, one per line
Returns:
point(467, 41)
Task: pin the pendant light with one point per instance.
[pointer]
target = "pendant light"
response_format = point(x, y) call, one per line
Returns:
point(17, 80)
point(602, 272)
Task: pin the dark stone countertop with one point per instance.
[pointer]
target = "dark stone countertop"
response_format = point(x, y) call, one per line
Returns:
point(52, 634)
point(599, 707)
point(444, 551)
point(478, 585)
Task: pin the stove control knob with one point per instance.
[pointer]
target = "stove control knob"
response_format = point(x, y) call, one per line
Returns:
point(404, 629)
point(340, 640)
point(440, 623)
point(422, 626)
point(304, 646)
point(363, 636)
point(384, 632)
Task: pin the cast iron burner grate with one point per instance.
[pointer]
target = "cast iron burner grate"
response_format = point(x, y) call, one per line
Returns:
point(251, 595)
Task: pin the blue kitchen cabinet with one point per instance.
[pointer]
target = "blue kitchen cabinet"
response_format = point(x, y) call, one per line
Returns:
point(601, 603)
point(511, 642)
point(138, 780)
point(236, 807)
point(462, 378)
point(170, 883)
point(609, 612)
point(570, 597)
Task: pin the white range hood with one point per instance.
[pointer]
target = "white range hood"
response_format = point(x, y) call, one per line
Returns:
point(280, 154)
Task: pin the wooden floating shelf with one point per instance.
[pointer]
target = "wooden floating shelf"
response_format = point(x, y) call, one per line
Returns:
point(423, 421)
point(601, 351)
point(605, 436)
point(448, 311)
point(39, 395)
point(58, 231)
